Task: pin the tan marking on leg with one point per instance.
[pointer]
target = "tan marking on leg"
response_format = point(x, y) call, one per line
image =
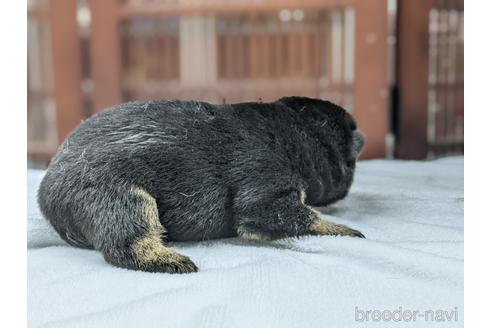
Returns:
point(323, 227)
point(148, 250)
point(149, 209)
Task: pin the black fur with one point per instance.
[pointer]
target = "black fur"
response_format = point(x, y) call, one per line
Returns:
point(213, 170)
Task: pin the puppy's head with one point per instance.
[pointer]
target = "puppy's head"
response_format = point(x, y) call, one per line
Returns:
point(339, 144)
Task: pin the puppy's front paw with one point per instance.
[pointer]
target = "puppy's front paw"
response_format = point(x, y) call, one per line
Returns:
point(323, 227)
point(346, 231)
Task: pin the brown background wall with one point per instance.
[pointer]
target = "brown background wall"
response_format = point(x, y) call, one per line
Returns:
point(398, 71)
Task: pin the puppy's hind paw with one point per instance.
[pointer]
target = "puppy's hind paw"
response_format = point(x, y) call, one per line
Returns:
point(352, 232)
point(152, 256)
point(176, 263)
point(168, 263)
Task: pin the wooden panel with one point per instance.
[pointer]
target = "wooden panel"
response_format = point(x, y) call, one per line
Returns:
point(371, 78)
point(445, 103)
point(66, 65)
point(412, 77)
point(105, 52)
point(267, 48)
point(150, 49)
point(159, 7)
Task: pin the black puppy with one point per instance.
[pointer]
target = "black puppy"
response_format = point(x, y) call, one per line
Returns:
point(138, 174)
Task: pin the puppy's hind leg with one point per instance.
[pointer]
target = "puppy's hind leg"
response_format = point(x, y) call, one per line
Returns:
point(133, 236)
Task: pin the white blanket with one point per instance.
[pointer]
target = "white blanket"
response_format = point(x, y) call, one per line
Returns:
point(412, 260)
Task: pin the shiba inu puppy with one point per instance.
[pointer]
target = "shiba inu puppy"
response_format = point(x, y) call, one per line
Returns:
point(139, 174)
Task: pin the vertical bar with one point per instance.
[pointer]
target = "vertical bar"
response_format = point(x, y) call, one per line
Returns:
point(327, 45)
point(152, 45)
point(239, 53)
point(279, 67)
point(247, 54)
point(230, 58)
point(440, 77)
point(443, 58)
point(199, 71)
point(67, 73)
point(336, 46)
point(292, 51)
point(459, 92)
point(175, 57)
point(349, 53)
point(452, 50)
point(268, 52)
point(105, 53)
point(263, 58)
point(166, 61)
point(433, 75)
point(221, 53)
point(254, 54)
point(316, 67)
point(304, 53)
point(210, 51)
point(370, 71)
point(412, 77)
